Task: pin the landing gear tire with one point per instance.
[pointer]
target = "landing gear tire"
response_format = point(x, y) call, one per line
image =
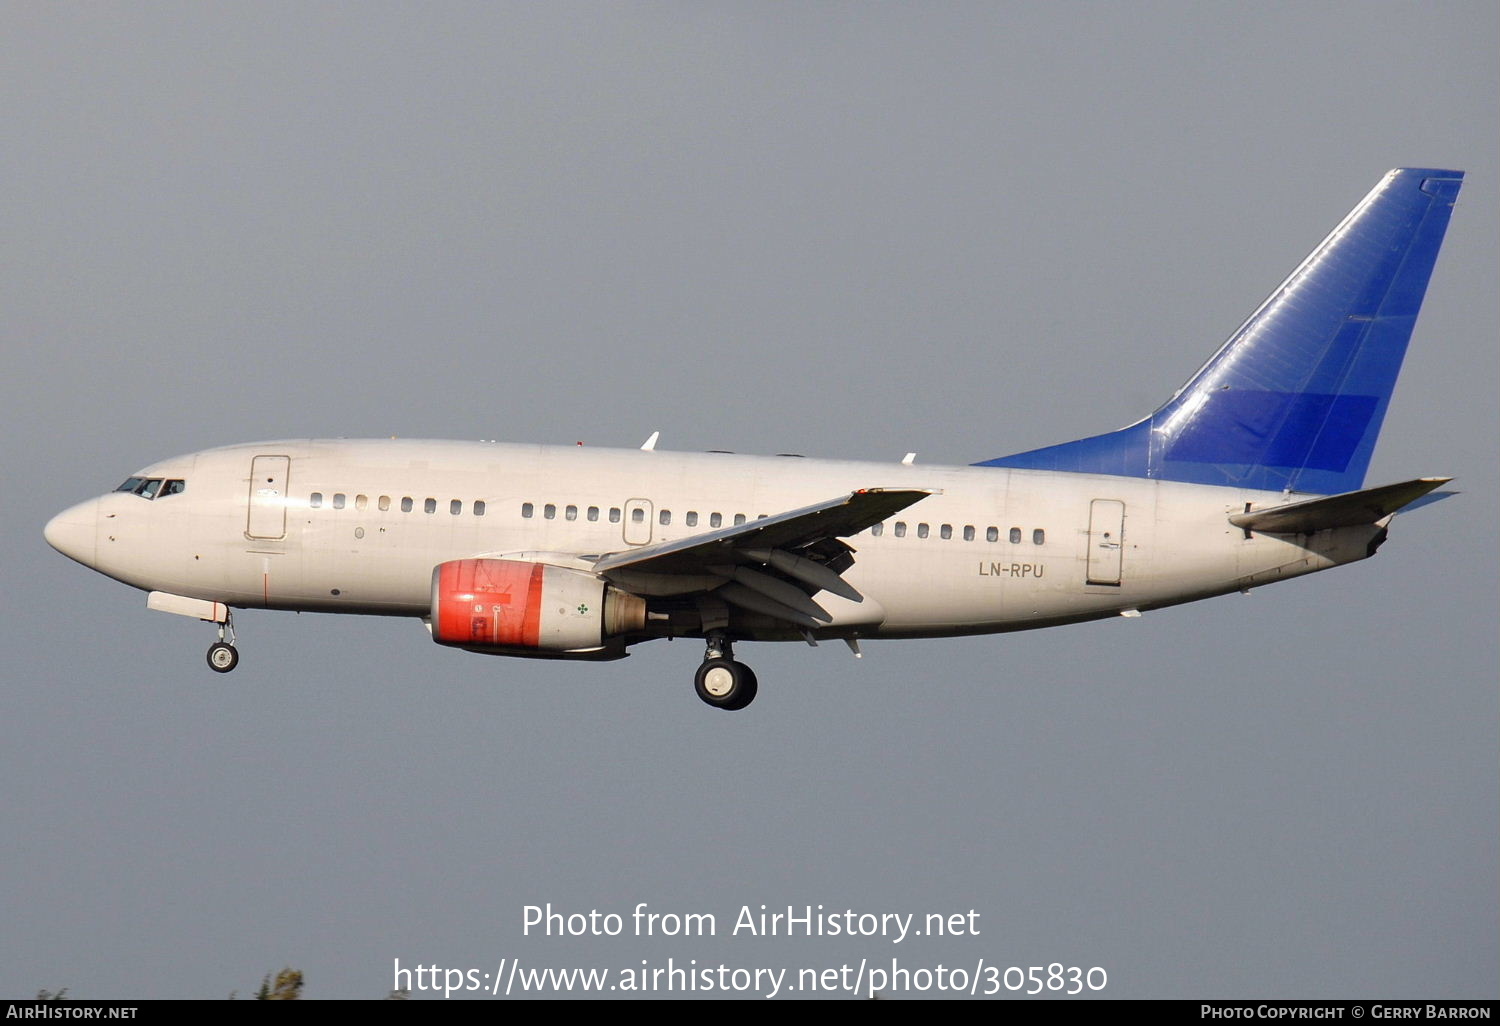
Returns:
point(222, 657)
point(751, 688)
point(726, 684)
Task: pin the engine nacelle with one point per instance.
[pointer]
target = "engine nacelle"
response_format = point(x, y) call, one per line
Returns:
point(498, 604)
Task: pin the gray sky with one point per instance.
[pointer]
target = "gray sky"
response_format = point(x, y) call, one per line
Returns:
point(839, 229)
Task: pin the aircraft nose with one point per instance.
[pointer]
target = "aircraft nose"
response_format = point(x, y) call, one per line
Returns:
point(73, 531)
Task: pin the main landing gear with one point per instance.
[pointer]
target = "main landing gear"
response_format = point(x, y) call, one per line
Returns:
point(722, 682)
point(222, 655)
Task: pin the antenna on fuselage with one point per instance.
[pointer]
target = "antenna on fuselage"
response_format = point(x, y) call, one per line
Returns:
point(650, 444)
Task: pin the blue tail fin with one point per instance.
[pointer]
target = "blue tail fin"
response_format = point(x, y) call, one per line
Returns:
point(1294, 400)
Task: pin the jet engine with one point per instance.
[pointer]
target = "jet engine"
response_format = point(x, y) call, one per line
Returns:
point(506, 605)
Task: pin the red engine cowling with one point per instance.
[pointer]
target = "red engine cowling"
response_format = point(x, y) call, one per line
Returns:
point(498, 604)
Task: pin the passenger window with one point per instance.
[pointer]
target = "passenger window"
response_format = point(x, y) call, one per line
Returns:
point(716, 520)
point(946, 531)
point(1015, 536)
point(921, 530)
point(527, 509)
point(429, 505)
point(406, 503)
point(739, 518)
point(384, 503)
point(638, 516)
point(692, 518)
point(455, 506)
point(877, 530)
point(479, 507)
point(614, 514)
point(593, 514)
point(571, 513)
point(968, 532)
point(549, 511)
point(1038, 537)
point(360, 502)
point(901, 529)
point(338, 500)
point(992, 534)
point(315, 500)
point(664, 517)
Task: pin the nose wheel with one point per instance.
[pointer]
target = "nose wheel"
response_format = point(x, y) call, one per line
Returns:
point(721, 681)
point(222, 655)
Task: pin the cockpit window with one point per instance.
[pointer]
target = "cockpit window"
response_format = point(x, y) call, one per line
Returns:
point(153, 487)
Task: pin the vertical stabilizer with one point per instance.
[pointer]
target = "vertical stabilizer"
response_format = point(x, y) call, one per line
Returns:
point(1295, 399)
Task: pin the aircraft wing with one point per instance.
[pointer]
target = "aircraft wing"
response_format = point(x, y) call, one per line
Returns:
point(766, 565)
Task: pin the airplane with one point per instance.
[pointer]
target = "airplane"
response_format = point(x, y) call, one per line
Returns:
point(1251, 473)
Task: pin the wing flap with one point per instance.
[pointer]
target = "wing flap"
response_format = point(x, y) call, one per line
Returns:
point(780, 591)
point(738, 564)
point(758, 602)
point(806, 571)
point(833, 518)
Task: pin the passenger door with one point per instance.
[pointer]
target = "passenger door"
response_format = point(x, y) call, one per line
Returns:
point(268, 483)
point(1106, 541)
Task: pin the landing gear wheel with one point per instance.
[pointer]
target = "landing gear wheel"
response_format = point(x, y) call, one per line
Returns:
point(222, 657)
point(748, 690)
point(725, 684)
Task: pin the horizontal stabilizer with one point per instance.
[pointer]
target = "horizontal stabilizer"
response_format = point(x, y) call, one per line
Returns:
point(1427, 500)
point(1352, 509)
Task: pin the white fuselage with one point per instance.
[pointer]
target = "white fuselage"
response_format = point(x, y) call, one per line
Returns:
point(358, 526)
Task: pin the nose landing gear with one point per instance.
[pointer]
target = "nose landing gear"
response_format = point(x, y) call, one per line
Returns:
point(222, 655)
point(722, 682)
